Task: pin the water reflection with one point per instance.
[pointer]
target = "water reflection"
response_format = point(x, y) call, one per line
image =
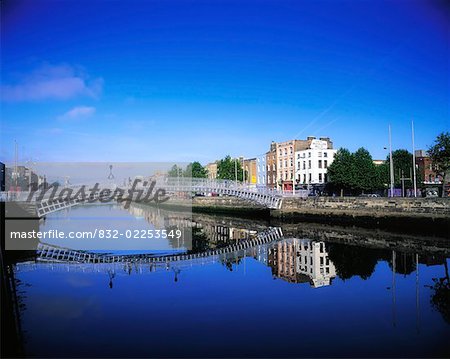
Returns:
point(302, 261)
point(222, 290)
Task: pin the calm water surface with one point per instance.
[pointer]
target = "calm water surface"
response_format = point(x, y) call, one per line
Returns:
point(287, 298)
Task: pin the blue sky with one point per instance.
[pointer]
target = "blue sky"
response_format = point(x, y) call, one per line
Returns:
point(184, 80)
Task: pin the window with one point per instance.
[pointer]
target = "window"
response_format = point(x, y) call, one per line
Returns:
point(309, 154)
point(325, 164)
point(310, 177)
point(285, 163)
point(320, 163)
point(325, 154)
point(292, 175)
point(320, 154)
point(321, 260)
point(304, 178)
point(292, 162)
point(298, 164)
point(285, 151)
point(327, 270)
point(290, 149)
point(325, 177)
point(309, 164)
point(281, 163)
point(285, 175)
point(304, 164)
point(320, 177)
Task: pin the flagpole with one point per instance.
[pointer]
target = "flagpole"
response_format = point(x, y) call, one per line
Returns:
point(414, 160)
point(391, 163)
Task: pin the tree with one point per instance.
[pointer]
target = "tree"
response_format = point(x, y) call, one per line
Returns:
point(226, 169)
point(340, 172)
point(175, 171)
point(440, 156)
point(403, 161)
point(195, 170)
point(403, 167)
point(364, 173)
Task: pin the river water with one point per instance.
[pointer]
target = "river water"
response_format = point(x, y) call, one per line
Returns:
point(297, 290)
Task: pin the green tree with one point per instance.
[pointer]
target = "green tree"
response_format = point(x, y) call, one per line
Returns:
point(403, 161)
point(403, 167)
point(226, 168)
point(195, 170)
point(175, 171)
point(364, 174)
point(440, 156)
point(340, 172)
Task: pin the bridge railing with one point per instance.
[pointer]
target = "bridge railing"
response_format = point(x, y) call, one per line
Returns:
point(198, 183)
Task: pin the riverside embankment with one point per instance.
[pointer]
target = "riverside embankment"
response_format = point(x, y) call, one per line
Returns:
point(420, 215)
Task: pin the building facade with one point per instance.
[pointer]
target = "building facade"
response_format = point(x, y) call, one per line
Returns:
point(261, 170)
point(425, 169)
point(250, 170)
point(271, 166)
point(212, 170)
point(311, 163)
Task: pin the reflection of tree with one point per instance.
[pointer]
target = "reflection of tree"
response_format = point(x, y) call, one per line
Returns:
point(440, 299)
point(200, 242)
point(228, 263)
point(404, 263)
point(353, 260)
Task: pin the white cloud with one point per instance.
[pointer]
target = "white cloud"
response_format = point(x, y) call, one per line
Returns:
point(77, 113)
point(57, 82)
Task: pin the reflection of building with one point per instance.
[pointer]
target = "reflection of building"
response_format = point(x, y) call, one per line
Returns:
point(217, 234)
point(300, 261)
point(212, 170)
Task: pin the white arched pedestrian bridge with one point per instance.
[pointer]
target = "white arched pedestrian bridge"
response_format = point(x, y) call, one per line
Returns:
point(46, 204)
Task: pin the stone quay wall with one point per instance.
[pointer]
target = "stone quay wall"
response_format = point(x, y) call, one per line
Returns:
point(362, 206)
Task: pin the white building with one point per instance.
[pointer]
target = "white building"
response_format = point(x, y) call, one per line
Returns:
point(313, 261)
point(261, 170)
point(312, 163)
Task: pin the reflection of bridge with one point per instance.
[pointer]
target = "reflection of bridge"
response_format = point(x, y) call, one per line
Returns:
point(52, 253)
point(68, 196)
